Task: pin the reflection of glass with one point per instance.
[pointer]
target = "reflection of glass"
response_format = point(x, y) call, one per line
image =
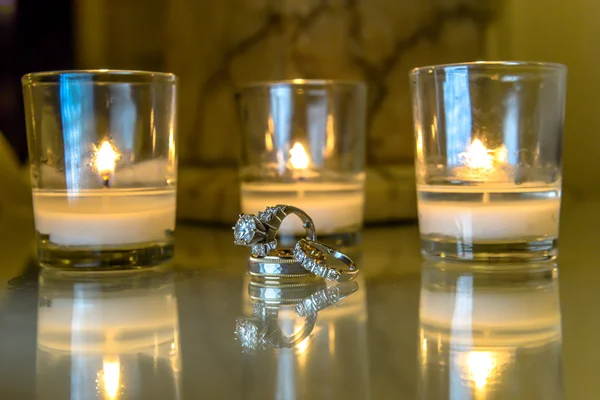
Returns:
point(300, 336)
point(490, 335)
point(107, 338)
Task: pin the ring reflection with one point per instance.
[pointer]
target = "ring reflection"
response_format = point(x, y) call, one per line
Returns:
point(304, 340)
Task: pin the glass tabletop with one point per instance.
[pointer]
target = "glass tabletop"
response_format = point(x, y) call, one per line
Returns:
point(201, 328)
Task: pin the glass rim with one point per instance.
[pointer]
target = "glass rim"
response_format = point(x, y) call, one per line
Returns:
point(257, 85)
point(99, 75)
point(514, 66)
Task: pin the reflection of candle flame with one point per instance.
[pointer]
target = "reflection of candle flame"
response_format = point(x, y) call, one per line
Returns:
point(299, 157)
point(302, 346)
point(481, 365)
point(105, 159)
point(482, 368)
point(111, 376)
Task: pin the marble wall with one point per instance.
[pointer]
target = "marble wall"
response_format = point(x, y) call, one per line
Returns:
point(216, 46)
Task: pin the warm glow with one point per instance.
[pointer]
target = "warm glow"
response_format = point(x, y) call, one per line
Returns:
point(481, 163)
point(481, 365)
point(483, 369)
point(419, 142)
point(302, 346)
point(330, 135)
point(171, 146)
point(477, 156)
point(268, 142)
point(110, 377)
point(299, 157)
point(501, 154)
point(105, 158)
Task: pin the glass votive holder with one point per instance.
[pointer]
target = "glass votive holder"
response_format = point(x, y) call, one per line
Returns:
point(304, 145)
point(488, 159)
point(102, 150)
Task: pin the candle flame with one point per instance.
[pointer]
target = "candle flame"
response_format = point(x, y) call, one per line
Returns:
point(480, 163)
point(105, 158)
point(299, 157)
point(477, 156)
point(110, 376)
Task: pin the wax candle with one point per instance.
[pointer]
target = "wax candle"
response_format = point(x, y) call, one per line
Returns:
point(489, 212)
point(488, 209)
point(112, 216)
point(334, 206)
point(303, 145)
point(104, 218)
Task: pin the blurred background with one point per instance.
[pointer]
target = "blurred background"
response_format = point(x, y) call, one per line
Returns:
point(214, 47)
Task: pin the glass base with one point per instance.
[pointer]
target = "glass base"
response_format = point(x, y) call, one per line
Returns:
point(132, 256)
point(518, 250)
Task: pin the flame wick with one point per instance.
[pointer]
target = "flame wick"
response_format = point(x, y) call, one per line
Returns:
point(104, 161)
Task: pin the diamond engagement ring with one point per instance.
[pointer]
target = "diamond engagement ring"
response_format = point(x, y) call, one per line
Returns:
point(259, 232)
point(313, 256)
point(273, 217)
point(250, 231)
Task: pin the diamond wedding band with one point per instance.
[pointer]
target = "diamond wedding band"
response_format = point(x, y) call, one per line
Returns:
point(280, 262)
point(312, 255)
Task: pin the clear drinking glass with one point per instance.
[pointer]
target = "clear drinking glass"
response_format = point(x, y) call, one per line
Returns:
point(304, 145)
point(488, 159)
point(102, 150)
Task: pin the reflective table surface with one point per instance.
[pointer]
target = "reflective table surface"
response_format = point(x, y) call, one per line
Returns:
point(405, 329)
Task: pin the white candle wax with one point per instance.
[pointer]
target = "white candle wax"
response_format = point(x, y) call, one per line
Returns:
point(104, 217)
point(486, 218)
point(334, 207)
